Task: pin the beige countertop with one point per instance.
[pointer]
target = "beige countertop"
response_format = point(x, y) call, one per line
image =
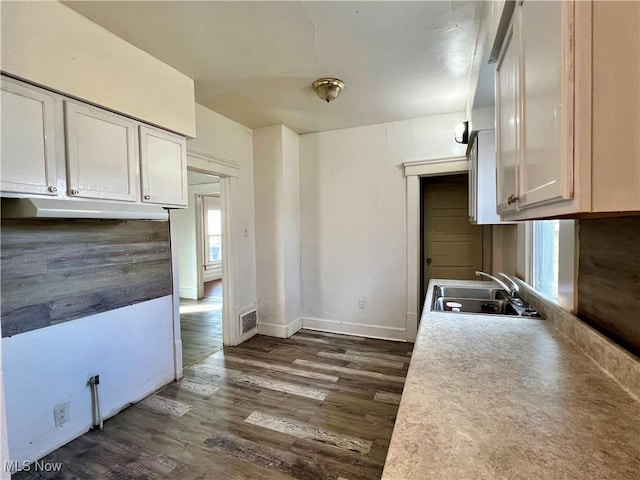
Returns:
point(497, 397)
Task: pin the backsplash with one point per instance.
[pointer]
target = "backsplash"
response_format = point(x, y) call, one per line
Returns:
point(54, 271)
point(609, 278)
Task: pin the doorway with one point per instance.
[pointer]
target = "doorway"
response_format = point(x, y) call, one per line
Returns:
point(200, 272)
point(451, 247)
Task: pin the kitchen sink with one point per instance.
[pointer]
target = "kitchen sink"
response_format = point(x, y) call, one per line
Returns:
point(477, 305)
point(484, 300)
point(489, 293)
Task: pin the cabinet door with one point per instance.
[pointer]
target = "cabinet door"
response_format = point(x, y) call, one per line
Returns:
point(507, 120)
point(28, 140)
point(102, 159)
point(473, 181)
point(547, 102)
point(163, 158)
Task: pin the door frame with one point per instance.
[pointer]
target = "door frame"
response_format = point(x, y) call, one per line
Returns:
point(413, 171)
point(228, 173)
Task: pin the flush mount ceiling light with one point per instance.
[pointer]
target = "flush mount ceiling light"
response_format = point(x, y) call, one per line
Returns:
point(328, 88)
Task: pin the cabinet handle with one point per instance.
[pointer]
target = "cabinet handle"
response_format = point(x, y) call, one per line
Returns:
point(53, 189)
point(147, 197)
point(512, 199)
point(75, 191)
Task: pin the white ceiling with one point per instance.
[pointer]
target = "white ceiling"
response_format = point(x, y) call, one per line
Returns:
point(254, 62)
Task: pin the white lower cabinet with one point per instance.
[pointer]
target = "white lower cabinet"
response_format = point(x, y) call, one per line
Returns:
point(102, 158)
point(28, 152)
point(163, 158)
point(55, 146)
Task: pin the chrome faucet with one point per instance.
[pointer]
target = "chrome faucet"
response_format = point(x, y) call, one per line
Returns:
point(515, 289)
point(512, 290)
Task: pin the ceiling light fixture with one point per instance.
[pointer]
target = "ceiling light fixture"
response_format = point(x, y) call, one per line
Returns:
point(328, 88)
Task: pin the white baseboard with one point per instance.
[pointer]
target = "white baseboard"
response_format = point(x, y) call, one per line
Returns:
point(211, 275)
point(280, 331)
point(246, 336)
point(357, 329)
point(190, 293)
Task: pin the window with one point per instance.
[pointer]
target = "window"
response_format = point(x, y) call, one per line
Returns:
point(549, 259)
point(546, 257)
point(213, 229)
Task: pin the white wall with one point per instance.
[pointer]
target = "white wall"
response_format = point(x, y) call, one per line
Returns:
point(291, 227)
point(184, 222)
point(131, 348)
point(354, 221)
point(276, 176)
point(224, 139)
point(49, 44)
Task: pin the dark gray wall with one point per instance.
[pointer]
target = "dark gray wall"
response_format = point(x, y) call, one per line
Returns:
point(54, 271)
point(609, 278)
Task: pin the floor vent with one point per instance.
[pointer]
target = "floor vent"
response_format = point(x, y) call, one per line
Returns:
point(248, 321)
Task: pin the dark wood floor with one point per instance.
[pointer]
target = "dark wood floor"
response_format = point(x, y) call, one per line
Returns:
point(314, 406)
point(201, 324)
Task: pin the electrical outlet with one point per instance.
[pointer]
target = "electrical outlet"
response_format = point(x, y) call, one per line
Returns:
point(362, 302)
point(61, 413)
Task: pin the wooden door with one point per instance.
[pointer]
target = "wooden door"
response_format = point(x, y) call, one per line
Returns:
point(102, 159)
point(28, 140)
point(452, 245)
point(163, 158)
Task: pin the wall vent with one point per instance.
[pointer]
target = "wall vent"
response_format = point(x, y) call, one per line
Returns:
point(248, 321)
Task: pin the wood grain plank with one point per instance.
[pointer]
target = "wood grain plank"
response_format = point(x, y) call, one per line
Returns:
point(386, 397)
point(163, 405)
point(349, 371)
point(281, 386)
point(361, 359)
point(304, 430)
point(281, 368)
point(609, 278)
point(54, 271)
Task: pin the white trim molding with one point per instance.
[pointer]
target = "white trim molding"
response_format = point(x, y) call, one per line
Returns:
point(208, 163)
point(188, 292)
point(280, 331)
point(438, 166)
point(356, 329)
point(413, 171)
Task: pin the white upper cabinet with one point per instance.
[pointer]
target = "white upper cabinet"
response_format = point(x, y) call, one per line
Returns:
point(108, 156)
point(568, 110)
point(546, 83)
point(163, 158)
point(507, 119)
point(28, 140)
point(482, 178)
point(102, 159)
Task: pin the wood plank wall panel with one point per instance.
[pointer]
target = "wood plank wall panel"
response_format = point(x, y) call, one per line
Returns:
point(609, 278)
point(54, 271)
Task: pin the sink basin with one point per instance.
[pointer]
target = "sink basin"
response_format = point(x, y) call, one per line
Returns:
point(477, 299)
point(489, 293)
point(477, 305)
